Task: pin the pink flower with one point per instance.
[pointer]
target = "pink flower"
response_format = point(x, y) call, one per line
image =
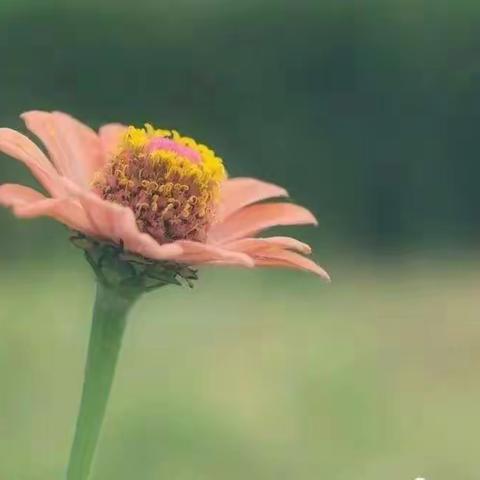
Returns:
point(156, 193)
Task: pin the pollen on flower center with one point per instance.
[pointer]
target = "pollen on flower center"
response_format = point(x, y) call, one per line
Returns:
point(170, 182)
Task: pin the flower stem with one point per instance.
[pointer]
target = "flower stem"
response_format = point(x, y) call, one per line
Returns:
point(108, 325)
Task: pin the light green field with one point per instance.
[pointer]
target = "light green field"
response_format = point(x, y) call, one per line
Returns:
point(253, 375)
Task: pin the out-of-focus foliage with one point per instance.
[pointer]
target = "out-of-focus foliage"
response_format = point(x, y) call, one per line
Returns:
point(368, 111)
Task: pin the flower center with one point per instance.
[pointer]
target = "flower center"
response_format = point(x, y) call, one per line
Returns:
point(170, 182)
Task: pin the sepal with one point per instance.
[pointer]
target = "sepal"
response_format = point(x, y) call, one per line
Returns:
point(119, 269)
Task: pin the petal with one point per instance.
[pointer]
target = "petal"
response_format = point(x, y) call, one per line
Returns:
point(125, 229)
point(74, 148)
point(254, 218)
point(28, 203)
point(66, 210)
point(110, 136)
point(12, 195)
point(117, 223)
point(196, 253)
point(287, 259)
point(255, 245)
point(22, 148)
point(240, 192)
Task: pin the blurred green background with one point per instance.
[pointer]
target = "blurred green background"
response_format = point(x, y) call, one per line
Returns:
point(368, 112)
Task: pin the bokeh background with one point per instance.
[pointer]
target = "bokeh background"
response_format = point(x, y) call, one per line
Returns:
point(368, 111)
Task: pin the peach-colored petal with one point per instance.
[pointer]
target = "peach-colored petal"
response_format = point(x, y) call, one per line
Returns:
point(74, 148)
point(240, 192)
point(125, 230)
point(254, 245)
point(110, 136)
point(287, 259)
point(13, 196)
point(28, 203)
point(22, 148)
point(254, 218)
point(117, 223)
point(65, 210)
point(196, 253)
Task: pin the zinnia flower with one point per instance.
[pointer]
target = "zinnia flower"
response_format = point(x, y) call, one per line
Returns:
point(146, 205)
point(153, 193)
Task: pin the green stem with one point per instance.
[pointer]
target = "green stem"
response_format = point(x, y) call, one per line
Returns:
point(108, 325)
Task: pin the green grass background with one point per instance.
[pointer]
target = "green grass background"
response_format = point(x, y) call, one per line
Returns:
point(252, 374)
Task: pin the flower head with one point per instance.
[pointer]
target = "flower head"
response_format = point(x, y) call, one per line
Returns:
point(171, 183)
point(151, 193)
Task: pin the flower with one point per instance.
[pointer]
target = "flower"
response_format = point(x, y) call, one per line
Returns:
point(153, 192)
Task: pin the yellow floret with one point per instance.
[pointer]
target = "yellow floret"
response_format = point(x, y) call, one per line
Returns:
point(208, 172)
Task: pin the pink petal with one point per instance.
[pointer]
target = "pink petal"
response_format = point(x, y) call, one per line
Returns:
point(28, 203)
point(254, 218)
point(110, 136)
point(12, 195)
point(65, 210)
point(255, 245)
point(22, 148)
point(287, 259)
point(74, 148)
point(196, 253)
point(240, 192)
point(228, 263)
point(125, 229)
point(117, 224)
